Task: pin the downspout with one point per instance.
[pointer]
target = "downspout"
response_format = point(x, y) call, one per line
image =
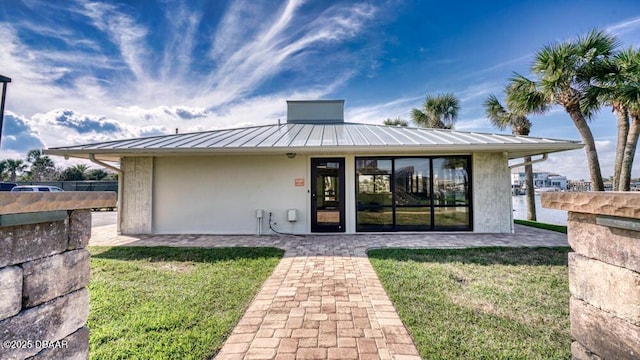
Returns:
point(544, 157)
point(120, 173)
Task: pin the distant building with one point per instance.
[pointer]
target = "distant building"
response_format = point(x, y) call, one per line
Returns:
point(579, 185)
point(541, 180)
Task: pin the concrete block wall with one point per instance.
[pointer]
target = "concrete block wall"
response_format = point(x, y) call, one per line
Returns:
point(44, 272)
point(604, 272)
point(44, 303)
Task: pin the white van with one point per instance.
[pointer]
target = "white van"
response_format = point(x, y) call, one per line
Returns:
point(37, 188)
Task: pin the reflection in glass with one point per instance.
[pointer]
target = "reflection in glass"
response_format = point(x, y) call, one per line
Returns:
point(374, 190)
point(413, 193)
point(413, 216)
point(452, 217)
point(450, 181)
point(374, 182)
point(379, 217)
point(373, 166)
point(412, 177)
point(328, 193)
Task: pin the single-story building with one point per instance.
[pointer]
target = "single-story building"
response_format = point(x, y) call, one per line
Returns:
point(315, 173)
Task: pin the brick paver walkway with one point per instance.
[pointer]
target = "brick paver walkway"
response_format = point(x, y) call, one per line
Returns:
point(324, 300)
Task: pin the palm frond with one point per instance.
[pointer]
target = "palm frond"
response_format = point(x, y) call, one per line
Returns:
point(622, 85)
point(439, 111)
point(555, 62)
point(418, 117)
point(396, 122)
point(595, 44)
point(502, 117)
point(497, 114)
point(524, 96)
point(628, 62)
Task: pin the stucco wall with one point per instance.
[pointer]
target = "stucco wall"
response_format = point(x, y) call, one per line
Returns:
point(137, 196)
point(220, 195)
point(491, 193)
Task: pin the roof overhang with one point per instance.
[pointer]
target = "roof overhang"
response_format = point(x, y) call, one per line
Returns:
point(514, 151)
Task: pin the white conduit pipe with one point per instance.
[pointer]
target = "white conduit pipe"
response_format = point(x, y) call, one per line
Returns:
point(120, 173)
point(543, 158)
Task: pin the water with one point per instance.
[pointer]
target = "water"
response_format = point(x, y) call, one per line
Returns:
point(550, 216)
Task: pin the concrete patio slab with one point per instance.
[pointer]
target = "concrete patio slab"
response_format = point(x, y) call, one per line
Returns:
point(324, 300)
point(331, 245)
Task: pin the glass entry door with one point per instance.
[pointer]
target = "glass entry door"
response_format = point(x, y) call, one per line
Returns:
point(327, 195)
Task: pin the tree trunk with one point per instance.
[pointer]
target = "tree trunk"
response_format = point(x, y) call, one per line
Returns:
point(589, 146)
point(530, 191)
point(623, 130)
point(629, 153)
point(13, 176)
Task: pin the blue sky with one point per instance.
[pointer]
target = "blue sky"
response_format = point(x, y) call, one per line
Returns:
point(86, 71)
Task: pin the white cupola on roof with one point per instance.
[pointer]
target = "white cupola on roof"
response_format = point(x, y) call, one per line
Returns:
point(315, 111)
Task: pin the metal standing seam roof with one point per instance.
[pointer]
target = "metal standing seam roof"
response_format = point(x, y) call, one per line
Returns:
point(316, 137)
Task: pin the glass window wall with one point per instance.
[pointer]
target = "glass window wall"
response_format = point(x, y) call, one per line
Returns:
point(413, 193)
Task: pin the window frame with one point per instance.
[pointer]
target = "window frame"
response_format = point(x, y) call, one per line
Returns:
point(432, 206)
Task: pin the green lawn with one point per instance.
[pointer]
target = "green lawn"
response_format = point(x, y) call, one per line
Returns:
point(540, 225)
point(483, 303)
point(170, 303)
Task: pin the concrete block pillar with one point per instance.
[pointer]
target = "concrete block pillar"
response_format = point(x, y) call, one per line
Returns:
point(604, 272)
point(44, 272)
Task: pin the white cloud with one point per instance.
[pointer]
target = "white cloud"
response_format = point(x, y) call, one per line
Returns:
point(624, 26)
point(281, 43)
point(123, 31)
point(92, 83)
point(63, 127)
point(508, 64)
point(64, 34)
point(181, 40)
point(479, 91)
point(475, 124)
point(233, 27)
point(376, 114)
point(161, 114)
point(18, 136)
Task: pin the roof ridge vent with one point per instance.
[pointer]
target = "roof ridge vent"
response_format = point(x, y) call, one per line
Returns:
point(315, 111)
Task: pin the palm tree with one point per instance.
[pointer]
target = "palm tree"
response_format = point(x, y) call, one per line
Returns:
point(41, 165)
point(73, 173)
point(81, 168)
point(440, 112)
point(34, 155)
point(563, 71)
point(617, 83)
point(623, 130)
point(503, 118)
point(396, 122)
point(3, 169)
point(628, 94)
point(96, 174)
point(15, 166)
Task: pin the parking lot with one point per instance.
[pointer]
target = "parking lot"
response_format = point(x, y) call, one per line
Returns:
point(102, 218)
